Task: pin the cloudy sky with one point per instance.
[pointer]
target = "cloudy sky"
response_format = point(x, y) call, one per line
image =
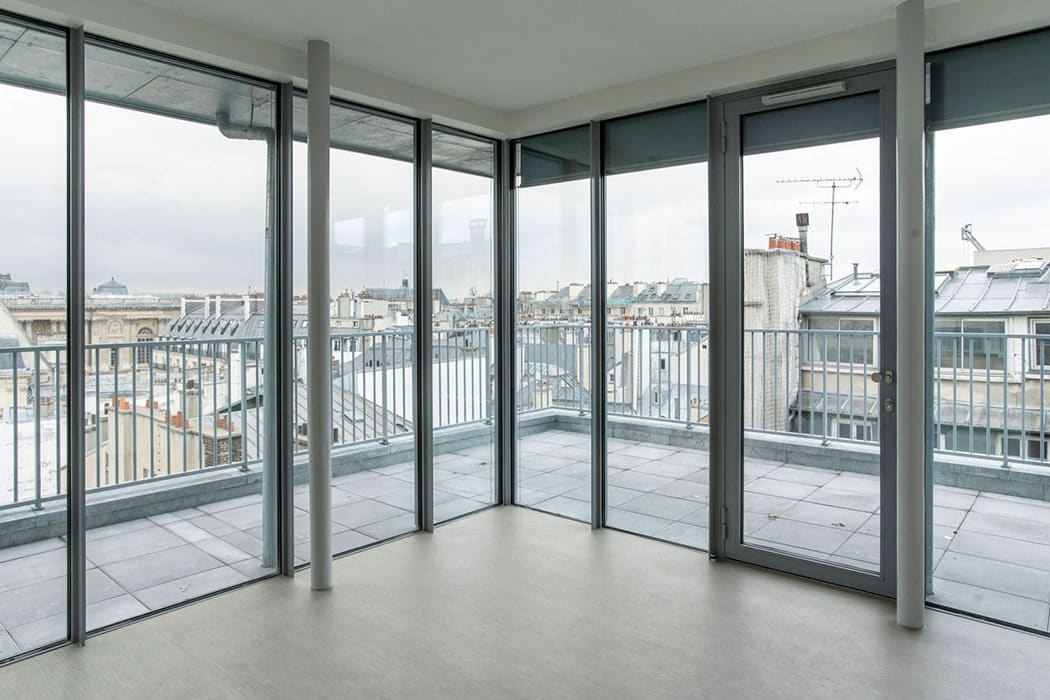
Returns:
point(176, 207)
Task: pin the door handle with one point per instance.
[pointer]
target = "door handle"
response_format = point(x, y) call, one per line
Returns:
point(882, 376)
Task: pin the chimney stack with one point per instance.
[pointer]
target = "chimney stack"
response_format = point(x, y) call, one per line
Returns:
point(802, 222)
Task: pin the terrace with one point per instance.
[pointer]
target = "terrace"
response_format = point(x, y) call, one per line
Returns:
point(165, 529)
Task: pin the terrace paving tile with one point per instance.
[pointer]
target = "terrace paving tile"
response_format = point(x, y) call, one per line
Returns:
point(783, 489)
point(391, 527)
point(189, 587)
point(1005, 549)
point(636, 522)
point(993, 603)
point(155, 568)
point(843, 498)
point(666, 507)
point(19, 551)
point(367, 512)
point(811, 477)
point(1000, 576)
point(685, 534)
point(31, 569)
point(805, 535)
point(569, 507)
point(827, 516)
point(861, 548)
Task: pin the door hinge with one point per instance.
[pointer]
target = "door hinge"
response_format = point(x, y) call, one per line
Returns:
point(725, 522)
point(725, 138)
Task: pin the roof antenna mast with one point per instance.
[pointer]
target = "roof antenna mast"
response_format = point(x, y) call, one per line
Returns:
point(834, 184)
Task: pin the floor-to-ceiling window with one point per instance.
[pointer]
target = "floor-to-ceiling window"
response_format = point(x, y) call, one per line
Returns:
point(658, 321)
point(33, 424)
point(553, 322)
point(373, 305)
point(988, 204)
point(464, 369)
point(179, 176)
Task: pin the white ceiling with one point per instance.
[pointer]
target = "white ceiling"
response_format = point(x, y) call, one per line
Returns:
point(514, 54)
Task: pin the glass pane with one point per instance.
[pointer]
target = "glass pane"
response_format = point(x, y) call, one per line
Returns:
point(464, 352)
point(181, 492)
point(811, 322)
point(33, 367)
point(554, 347)
point(657, 340)
point(991, 518)
point(373, 303)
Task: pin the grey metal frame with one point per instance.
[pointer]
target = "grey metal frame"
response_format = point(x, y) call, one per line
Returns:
point(282, 289)
point(727, 330)
point(506, 322)
point(424, 370)
point(75, 513)
point(598, 323)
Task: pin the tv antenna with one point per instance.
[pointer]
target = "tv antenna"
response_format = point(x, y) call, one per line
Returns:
point(834, 184)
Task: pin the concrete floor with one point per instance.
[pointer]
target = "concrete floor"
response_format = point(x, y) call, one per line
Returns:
point(514, 603)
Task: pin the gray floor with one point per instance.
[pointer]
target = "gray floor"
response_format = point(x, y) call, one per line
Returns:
point(514, 603)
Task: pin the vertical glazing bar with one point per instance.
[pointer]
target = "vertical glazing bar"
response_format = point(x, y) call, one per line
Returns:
point(423, 400)
point(76, 539)
point(281, 337)
point(852, 410)
point(506, 324)
point(598, 321)
point(787, 378)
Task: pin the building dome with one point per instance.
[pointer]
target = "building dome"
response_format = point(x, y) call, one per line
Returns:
point(112, 288)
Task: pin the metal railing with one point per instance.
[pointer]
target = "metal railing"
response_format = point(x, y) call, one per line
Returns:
point(166, 408)
point(990, 390)
point(171, 407)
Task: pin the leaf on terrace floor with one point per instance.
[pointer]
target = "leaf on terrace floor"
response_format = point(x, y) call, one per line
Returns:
point(838, 524)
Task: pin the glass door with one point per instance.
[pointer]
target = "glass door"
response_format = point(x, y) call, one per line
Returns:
point(809, 320)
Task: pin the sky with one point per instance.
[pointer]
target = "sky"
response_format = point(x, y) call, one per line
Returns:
point(176, 207)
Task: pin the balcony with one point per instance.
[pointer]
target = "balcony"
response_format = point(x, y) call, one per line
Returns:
point(171, 528)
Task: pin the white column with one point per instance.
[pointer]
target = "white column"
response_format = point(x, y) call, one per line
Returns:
point(319, 363)
point(911, 332)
